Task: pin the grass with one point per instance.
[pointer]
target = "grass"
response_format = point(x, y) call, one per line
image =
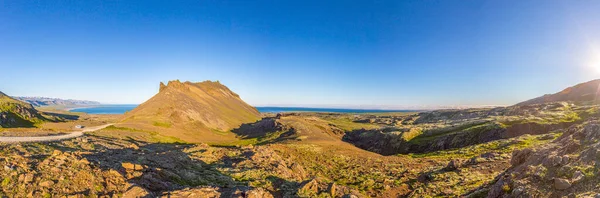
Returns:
point(348, 124)
point(162, 124)
point(467, 128)
point(252, 141)
point(412, 133)
point(136, 134)
point(6, 181)
point(500, 146)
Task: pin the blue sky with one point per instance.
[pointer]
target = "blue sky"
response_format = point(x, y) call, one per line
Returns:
point(388, 54)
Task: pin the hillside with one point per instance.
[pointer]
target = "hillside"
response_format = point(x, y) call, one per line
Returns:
point(192, 112)
point(584, 93)
point(43, 101)
point(15, 113)
point(567, 167)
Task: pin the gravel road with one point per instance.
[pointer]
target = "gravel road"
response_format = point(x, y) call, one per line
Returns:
point(52, 137)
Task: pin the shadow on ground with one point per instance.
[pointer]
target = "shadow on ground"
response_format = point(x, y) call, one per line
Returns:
point(162, 168)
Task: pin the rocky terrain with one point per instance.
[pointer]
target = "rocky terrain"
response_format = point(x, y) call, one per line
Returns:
point(447, 129)
point(43, 101)
point(527, 150)
point(569, 166)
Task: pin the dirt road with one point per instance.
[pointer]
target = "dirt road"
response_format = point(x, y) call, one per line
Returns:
point(52, 137)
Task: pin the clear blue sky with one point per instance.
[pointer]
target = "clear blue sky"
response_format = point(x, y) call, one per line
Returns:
point(301, 53)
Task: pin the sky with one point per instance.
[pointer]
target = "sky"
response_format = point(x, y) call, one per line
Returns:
point(358, 54)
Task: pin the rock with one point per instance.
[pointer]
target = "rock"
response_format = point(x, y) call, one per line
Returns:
point(134, 146)
point(453, 165)
point(489, 156)
point(28, 178)
point(56, 152)
point(46, 183)
point(561, 184)
point(349, 196)
point(597, 196)
point(84, 161)
point(332, 189)
point(425, 177)
point(135, 191)
point(204, 192)
point(517, 191)
point(310, 188)
point(131, 166)
point(258, 193)
point(547, 137)
point(577, 177)
point(519, 156)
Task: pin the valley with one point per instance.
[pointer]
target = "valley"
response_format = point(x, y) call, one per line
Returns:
point(202, 140)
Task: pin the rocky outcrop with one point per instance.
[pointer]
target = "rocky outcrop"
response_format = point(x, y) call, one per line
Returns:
point(566, 167)
point(261, 128)
point(320, 187)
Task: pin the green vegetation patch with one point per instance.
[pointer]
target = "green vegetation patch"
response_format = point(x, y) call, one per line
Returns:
point(499, 146)
point(162, 124)
point(348, 124)
point(468, 128)
point(136, 134)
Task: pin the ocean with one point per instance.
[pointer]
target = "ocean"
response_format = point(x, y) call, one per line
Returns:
point(325, 110)
point(105, 109)
point(121, 109)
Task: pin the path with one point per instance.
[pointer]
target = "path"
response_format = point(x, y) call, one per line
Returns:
point(51, 138)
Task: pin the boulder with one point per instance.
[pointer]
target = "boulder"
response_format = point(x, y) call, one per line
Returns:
point(258, 193)
point(46, 183)
point(205, 192)
point(131, 166)
point(135, 191)
point(453, 165)
point(577, 177)
point(561, 184)
point(520, 156)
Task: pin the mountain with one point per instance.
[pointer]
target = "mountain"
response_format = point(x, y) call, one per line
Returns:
point(587, 92)
point(193, 112)
point(15, 113)
point(43, 101)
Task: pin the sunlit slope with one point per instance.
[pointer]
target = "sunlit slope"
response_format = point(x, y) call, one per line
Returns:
point(192, 112)
point(14, 113)
point(587, 92)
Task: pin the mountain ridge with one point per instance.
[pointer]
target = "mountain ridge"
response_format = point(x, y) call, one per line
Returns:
point(46, 101)
point(582, 92)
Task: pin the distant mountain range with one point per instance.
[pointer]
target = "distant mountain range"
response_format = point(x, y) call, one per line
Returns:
point(44, 101)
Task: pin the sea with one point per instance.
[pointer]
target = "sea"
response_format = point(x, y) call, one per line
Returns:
point(123, 108)
point(105, 109)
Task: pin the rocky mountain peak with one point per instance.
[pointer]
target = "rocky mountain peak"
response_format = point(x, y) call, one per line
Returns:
point(193, 111)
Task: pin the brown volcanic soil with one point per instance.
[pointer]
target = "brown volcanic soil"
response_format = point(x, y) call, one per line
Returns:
point(192, 112)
